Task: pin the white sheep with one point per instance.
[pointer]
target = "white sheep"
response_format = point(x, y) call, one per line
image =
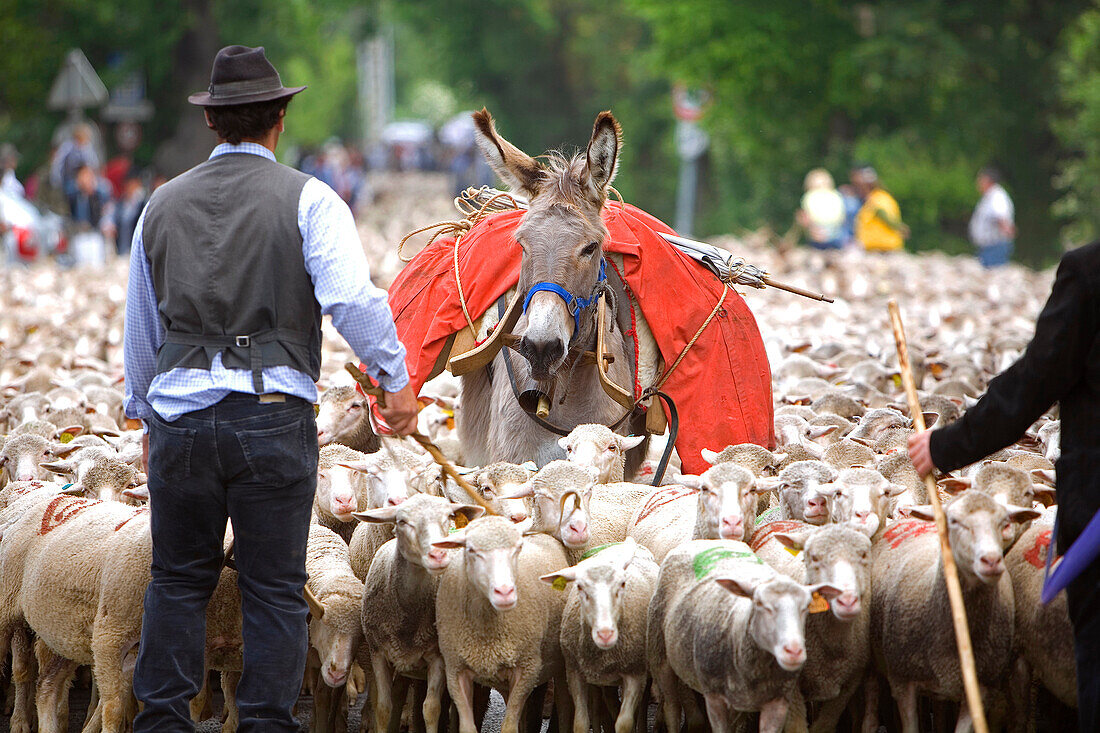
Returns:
point(603, 627)
point(724, 624)
point(601, 448)
point(342, 417)
point(911, 633)
point(398, 610)
point(720, 504)
point(498, 624)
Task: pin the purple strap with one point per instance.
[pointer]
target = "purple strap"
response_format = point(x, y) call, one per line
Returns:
point(1079, 556)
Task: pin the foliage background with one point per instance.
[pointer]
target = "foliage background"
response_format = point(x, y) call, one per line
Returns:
point(928, 91)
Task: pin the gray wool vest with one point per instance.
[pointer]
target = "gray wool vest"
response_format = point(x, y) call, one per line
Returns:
point(227, 266)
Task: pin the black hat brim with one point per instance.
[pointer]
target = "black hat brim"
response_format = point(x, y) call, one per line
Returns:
point(203, 99)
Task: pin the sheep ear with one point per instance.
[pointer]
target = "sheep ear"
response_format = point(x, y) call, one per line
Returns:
point(566, 575)
point(709, 456)
point(527, 488)
point(1045, 475)
point(525, 526)
point(382, 515)
point(778, 458)
point(563, 443)
point(73, 430)
point(820, 431)
point(57, 466)
point(862, 441)
point(453, 541)
point(930, 418)
point(1046, 495)
point(138, 493)
point(519, 171)
point(76, 489)
point(738, 586)
point(892, 490)
point(359, 466)
point(922, 511)
point(792, 540)
point(315, 606)
point(467, 510)
point(530, 466)
point(764, 484)
point(628, 442)
point(1021, 514)
point(692, 482)
point(954, 485)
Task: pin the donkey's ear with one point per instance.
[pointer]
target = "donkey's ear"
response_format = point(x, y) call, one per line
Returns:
point(603, 153)
point(517, 169)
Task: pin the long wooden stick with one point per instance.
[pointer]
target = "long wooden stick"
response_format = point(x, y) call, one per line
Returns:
point(433, 450)
point(950, 572)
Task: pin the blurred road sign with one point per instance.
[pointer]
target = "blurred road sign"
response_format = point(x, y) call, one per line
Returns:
point(691, 140)
point(128, 102)
point(689, 105)
point(77, 85)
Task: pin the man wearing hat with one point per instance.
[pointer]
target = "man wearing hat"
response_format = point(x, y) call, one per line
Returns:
point(232, 266)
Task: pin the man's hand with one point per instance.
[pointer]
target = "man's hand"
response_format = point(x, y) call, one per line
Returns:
point(145, 453)
point(400, 411)
point(920, 452)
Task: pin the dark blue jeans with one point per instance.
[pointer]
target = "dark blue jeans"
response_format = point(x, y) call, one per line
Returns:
point(255, 464)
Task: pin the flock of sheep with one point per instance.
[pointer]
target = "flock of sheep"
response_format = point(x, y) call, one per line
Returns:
point(800, 585)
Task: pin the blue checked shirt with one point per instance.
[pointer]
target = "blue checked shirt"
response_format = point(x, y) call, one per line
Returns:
point(335, 262)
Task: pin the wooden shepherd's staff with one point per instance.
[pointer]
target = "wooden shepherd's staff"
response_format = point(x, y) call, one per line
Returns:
point(951, 575)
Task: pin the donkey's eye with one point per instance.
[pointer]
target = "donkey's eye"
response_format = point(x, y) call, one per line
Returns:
point(590, 249)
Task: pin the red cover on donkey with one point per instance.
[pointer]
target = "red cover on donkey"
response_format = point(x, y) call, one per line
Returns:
point(722, 387)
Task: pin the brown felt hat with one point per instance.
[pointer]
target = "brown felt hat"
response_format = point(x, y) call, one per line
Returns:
point(242, 75)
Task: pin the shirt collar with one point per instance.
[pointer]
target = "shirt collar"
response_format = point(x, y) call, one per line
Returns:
point(251, 148)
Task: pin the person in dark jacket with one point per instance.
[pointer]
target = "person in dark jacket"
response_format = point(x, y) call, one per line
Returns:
point(1061, 365)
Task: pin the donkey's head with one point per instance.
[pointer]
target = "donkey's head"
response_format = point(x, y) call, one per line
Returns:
point(561, 234)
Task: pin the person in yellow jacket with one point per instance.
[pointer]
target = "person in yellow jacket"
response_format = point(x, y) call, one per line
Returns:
point(878, 223)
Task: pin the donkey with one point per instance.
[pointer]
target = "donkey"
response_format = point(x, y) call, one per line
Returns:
point(562, 238)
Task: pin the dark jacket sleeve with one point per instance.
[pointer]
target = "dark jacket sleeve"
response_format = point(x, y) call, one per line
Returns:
point(1053, 364)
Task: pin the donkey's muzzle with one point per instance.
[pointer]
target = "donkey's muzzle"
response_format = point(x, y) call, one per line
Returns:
point(543, 356)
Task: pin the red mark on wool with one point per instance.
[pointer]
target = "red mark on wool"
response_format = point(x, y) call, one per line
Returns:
point(137, 512)
point(906, 530)
point(61, 509)
point(1037, 555)
point(662, 497)
point(764, 532)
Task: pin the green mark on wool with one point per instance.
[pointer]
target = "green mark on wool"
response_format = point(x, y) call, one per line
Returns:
point(705, 561)
point(598, 549)
point(770, 515)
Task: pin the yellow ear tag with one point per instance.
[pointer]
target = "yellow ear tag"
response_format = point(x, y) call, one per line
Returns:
point(559, 583)
point(897, 380)
point(819, 604)
point(461, 521)
point(792, 550)
point(316, 410)
point(66, 438)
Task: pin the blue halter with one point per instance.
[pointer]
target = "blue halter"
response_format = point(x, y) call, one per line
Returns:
point(572, 303)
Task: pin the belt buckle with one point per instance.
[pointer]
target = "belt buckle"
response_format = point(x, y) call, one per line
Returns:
point(244, 341)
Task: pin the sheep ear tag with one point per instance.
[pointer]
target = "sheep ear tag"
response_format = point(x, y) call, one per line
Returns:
point(66, 438)
point(897, 381)
point(559, 583)
point(819, 603)
point(460, 521)
point(795, 553)
point(316, 410)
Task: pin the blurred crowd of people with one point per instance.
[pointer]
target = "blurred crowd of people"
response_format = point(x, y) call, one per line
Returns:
point(74, 207)
point(78, 208)
point(861, 213)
